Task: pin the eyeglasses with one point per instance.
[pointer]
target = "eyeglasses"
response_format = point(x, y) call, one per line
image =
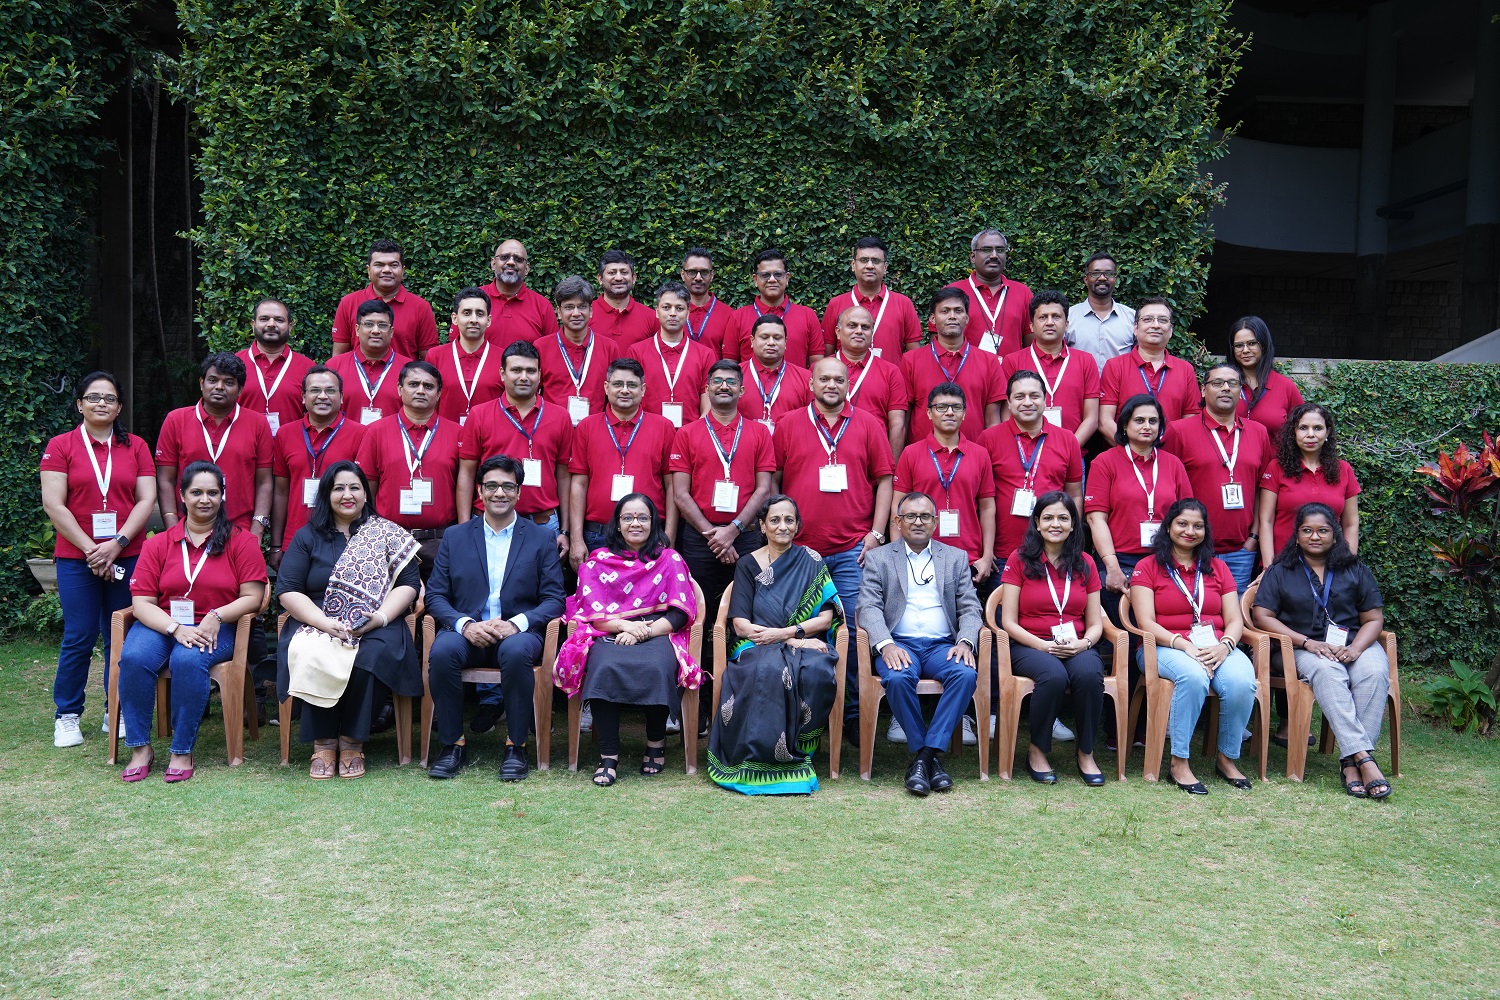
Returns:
point(513, 258)
point(315, 393)
point(1224, 383)
point(635, 518)
point(99, 397)
point(1101, 274)
point(726, 383)
point(698, 272)
point(509, 489)
point(869, 260)
point(947, 407)
point(918, 518)
point(991, 251)
point(624, 385)
point(770, 275)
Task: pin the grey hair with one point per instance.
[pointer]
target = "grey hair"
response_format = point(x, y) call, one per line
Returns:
point(573, 287)
point(974, 243)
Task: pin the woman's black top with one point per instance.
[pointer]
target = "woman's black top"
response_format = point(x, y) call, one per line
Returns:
point(1288, 594)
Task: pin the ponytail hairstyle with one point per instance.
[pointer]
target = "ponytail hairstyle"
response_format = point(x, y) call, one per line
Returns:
point(223, 527)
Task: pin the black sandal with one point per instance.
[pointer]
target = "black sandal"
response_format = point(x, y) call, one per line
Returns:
point(1379, 788)
point(604, 774)
point(655, 761)
point(1356, 787)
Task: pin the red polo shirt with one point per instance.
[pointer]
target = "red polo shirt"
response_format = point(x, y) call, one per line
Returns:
point(1071, 378)
point(710, 323)
point(545, 433)
point(1036, 612)
point(804, 334)
point(464, 373)
point(302, 453)
point(1059, 462)
point(1192, 439)
point(245, 440)
point(528, 315)
point(648, 458)
point(626, 327)
point(1310, 487)
point(415, 329)
point(674, 374)
point(1012, 323)
point(1173, 612)
point(561, 358)
point(382, 454)
point(159, 574)
point(281, 377)
point(1272, 406)
point(66, 453)
point(1114, 489)
point(977, 374)
point(1175, 384)
point(694, 452)
point(793, 393)
point(876, 385)
point(832, 522)
point(366, 379)
point(896, 327)
point(967, 469)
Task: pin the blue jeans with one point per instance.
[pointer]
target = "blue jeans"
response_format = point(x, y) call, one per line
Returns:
point(929, 662)
point(87, 604)
point(1233, 682)
point(490, 694)
point(847, 573)
point(142, 658)
point(1242, 564)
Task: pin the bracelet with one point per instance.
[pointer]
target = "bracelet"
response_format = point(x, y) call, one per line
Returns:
point(384, 620)
point(1229, 642)
point(215, 613)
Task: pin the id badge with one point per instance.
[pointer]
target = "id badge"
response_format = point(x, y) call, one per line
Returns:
point(1337, 635)
point(622, 485)
point(1234, 496)
point(309, 492)
point(410, 502)
point(104, 525)
point(1148, 532)
point(370, 414)
point(875, 351)
point(422, 489)
point(1066, 632)
point(531, 472)
point(768, 424)
point(1202, 636)
point(182, 612)
point(463, 420)
point(1053, 415)
point(578, 408)
point(673, 412)
point(726, 496)
point(833, 479)
point(274, 419)
point(1023, 503)
point(947, 524)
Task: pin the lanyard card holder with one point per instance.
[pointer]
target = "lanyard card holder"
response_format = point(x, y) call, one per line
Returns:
point(622, 486)
point(948, 524)
point(1202, 636)
point(104, 525)
point(1234, 496)
point(531, 472)
point(1066, 632)
point(833, 478)
point(578, 408)
point(726, 497)
point(1337, 636)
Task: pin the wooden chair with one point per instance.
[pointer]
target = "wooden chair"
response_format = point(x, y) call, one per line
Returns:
point(871, 691)
point(835, 716)
point(689, 700)
point(1013, 688)
point(1299, 694)
point(1156, 692)
point(236, 687)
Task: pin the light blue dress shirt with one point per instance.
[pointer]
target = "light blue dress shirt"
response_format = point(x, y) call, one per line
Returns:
point(1103, 338)
point(497, 555)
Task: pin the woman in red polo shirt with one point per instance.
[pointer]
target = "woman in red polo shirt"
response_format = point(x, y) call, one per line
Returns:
point(98, 489)
point(1049, 607)
point(192, 585)
point(1266, 395)
point(1307, 470)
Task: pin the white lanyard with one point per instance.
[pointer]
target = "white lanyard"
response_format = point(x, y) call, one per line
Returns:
point(192, 574)
point(768, 401)
point(1061, 605)
point(415, 463)
point(359, 369)
point(885, 299)
point(672, 376)
point(102, 478)
point(260, 376)
point(869, 363)
point(992, 317)
point(734, 446)
point(1042, 374)
point(214, 453)
point(458, 369)
point(1230, 460)
point(1194, 599)
point(1151, 493)
point(829, 441)
point(588, 356)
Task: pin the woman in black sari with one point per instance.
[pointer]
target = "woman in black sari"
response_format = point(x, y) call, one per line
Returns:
point(780, 688)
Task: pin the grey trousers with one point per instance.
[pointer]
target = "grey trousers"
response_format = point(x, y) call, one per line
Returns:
point(1351, 695)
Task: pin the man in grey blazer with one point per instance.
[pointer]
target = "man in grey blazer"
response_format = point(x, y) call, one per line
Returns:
point(918, 605)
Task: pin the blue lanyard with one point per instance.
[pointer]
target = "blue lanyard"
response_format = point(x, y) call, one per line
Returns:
point(1322, 601)
point(962, 360)
point(830, 441)
point(1259, 395)
point(625, 450)
point(946, 483)
point(734, 447)
point(426, 442)
point(1160, 381)
point(576, 375)
point(767, 398)
point(317, 456)
point(703, 328)
point(1036, 453)
point(1195, 596)
point(535, 422)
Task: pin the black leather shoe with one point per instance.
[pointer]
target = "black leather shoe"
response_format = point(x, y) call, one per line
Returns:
point(1243, 784)
point(937, 775)
point(916, 777)
point(484, 720)
point(1196, 788)
point(454, 758)
point(384, 719)
point(1042, 777)
point(1092, 780)
point(514, 766)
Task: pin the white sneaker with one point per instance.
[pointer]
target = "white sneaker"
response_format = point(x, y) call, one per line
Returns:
point(971, 736)
point(104, 725)
point(66, 732)
point(992, 727)
point(895, 733)
point(674, 726)
point(586, 720)
point(1246, 738)
point(1061, 733)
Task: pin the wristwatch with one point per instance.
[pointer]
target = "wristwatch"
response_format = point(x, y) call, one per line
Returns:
point(737, 525)
point(263, 519)
point(878, 536)
point(801, 633)
point(123, 541)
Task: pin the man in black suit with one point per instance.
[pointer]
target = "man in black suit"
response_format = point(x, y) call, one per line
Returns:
point(496, 582)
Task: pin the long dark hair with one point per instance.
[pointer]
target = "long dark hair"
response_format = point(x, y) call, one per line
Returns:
point(223, 527)
point(1203, 555)
point(1340, 556)
point(1289, 454)
point(1032, 550)
point(321, 519)
point(656, 541)
point(1127, 411)
point(121, 435)
point(1262, 334)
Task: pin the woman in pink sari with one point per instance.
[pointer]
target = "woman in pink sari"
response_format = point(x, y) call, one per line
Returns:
point(629, 647)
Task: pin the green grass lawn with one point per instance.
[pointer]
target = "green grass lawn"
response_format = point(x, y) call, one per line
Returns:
point(257, 882)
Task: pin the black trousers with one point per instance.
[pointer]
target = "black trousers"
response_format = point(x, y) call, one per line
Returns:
point(1082, 673)
point(607, 724)
point(515, 656)
point(712, 575)
point(350, 717)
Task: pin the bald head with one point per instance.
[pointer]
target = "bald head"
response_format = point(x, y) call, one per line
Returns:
point(855, 330)
point(510, 264)
point(830, 384)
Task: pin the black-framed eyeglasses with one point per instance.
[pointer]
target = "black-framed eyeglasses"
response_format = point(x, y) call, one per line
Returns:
point(918, 518)
point(726, 383)
point(99, 397)
point(1103, 274)
point(509, 489)
point(770, 275)
point(697, 272)
point(947, 407)
point(512, 258)
point(991, 251)
point(635, 518)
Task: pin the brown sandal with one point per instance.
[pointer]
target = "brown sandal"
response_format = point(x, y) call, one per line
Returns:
point(351, 758)
point(324, 759)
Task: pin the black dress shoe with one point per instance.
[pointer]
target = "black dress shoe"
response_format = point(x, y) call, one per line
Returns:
point(1092, 780)
point(1042, 777)
point(484, 720)
point(916, 777)
point(1243, 784)
point(937, 775)
point(454, 758)
point(1196, 788)
point(384, 719)
point(514, 766)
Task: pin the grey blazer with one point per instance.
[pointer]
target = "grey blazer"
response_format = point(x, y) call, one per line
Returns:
point(882, 591)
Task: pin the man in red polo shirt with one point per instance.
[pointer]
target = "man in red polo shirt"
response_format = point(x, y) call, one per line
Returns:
point(415, 329)
point(274, 370)
point(1148, 368)
point(875, 384)
point(774, 386)
point(1072, 387)
point(535, 432)
point(895, 327)
point(574, 358)
point(804, 334)
point(951, 358)
point(517, 312)
point(676, 367)
point(469, 363)
point(617, 315)
point(709, 320)
point(621, 450)
point(303, 450)
point(370, 373)
point(998, 306)
point(411, 460)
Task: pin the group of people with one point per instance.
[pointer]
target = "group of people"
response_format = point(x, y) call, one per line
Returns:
point(917, 477)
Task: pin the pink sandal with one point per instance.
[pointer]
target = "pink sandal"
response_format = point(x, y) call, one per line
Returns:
point(138, 773)
point(172, 775)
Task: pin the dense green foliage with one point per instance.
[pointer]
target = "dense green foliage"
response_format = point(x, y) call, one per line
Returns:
point(655, 126)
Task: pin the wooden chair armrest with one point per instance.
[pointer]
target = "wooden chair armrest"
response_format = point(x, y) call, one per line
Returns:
point(862, 650)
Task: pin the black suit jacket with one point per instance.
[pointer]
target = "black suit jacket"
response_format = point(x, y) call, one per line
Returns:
point(459, 586)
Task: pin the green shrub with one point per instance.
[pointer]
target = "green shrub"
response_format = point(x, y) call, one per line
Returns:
point(42, 617)
point(1463, 701)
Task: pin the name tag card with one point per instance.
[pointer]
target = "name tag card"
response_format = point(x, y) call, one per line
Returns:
point(1023, 503)
point(1148, 532)
point(621, 486)
point(370, 414)
point(182, 612)
point(1053, 415)
point(673, 412)
point(531, 472)
point(875, 351)
point(947, 524)
point(274, 419)
point(1064, 633)
point(104, 525)
point(309, 492)
point(422, 489)
point(726, 497)
point(1202, 636)
point(578, 408)
point(1337, 636)
point(768, 424)
point(833, 478)
point(410, 502)
point(463, 420)
point(1234, 496)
